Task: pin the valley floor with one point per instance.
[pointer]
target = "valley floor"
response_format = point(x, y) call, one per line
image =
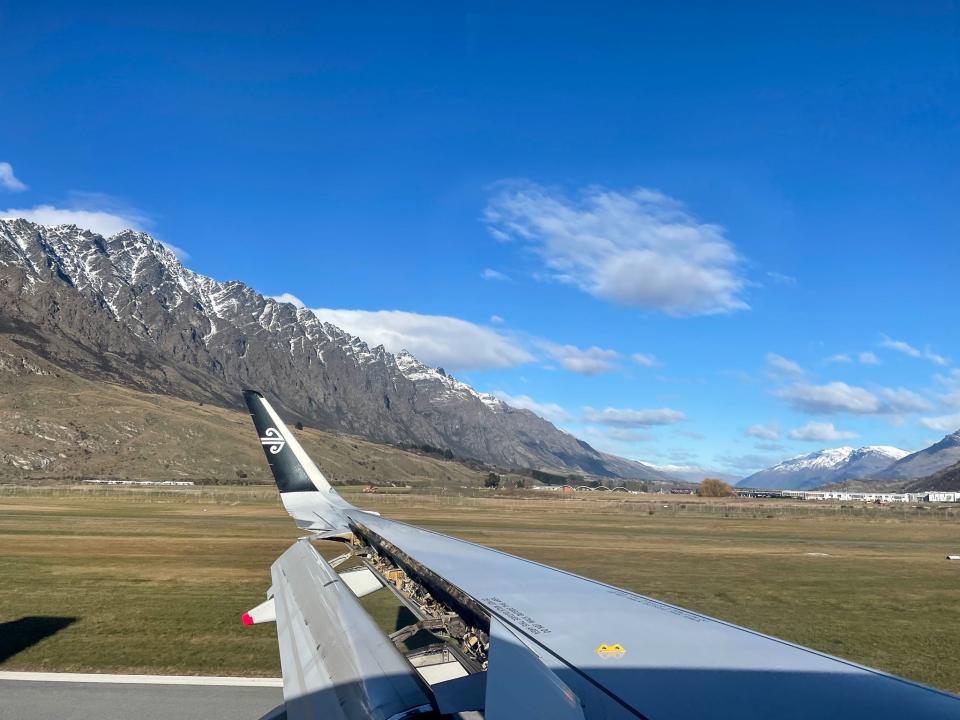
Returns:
point(155, 581)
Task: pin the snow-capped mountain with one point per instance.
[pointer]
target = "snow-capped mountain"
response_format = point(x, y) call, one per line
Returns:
point(124, 309)
point(825, 466)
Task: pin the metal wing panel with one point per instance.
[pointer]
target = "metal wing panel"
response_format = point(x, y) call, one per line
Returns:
point(674, 663)
point(519, 685)
point(336, 662)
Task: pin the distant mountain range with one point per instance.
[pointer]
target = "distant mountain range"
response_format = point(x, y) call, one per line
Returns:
point(124, 310)
point(879, 464)
point(824, 467)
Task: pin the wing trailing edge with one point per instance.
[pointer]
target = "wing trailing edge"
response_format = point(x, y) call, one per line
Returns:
point(336, 662)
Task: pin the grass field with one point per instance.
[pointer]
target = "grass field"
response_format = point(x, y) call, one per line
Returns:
point(155, 581)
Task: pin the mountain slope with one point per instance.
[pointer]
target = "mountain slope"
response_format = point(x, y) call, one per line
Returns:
point(823, 467)
point(920, 464)
point(947, 479)
point(123, 309)
point(56, 424)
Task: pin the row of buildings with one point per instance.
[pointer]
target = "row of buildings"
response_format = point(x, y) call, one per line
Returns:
point(874, 497)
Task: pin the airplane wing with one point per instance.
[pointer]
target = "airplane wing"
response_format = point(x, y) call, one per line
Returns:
point(518, 639)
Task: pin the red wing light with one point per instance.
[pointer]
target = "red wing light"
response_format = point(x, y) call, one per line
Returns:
point(247, 619)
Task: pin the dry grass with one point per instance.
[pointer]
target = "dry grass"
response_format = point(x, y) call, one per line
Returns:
point(157, 580)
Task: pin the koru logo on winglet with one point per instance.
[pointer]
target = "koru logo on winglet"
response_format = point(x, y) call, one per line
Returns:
point(273, 440)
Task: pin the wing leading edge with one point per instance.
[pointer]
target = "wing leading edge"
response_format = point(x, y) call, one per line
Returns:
point(564, 646)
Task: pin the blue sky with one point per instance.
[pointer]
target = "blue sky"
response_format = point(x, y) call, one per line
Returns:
point(691, 235)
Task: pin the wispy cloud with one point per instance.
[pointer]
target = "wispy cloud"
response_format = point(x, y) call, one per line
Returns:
point(638, 248)
point(103, 214)
point(944, 423)
point(839, 358)
point(820, 432)
point(868, 358)
point(767, 431)
point(625, 417)
point(747, 463)
point(769, 446)
point(780, 365)
point(907, 349)
point(584, 361)
point(839, 397)
point(950, 384)
point(491, 274)
point(781, 278)
point(551, 411)
point(288, 298)
point(620, 441)
point(616, 434)
point(437, 340)
point(8, 180)
point(645, 359)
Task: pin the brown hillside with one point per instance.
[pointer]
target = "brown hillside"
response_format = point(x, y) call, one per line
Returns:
point(56, 424)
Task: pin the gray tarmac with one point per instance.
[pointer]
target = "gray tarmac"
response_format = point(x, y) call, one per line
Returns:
point(39, 700)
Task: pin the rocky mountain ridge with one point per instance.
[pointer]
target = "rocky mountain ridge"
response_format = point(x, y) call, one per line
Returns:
point(930, 460)
point(124, 309)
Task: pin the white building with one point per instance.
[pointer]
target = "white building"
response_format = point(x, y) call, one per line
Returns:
point(873, 497)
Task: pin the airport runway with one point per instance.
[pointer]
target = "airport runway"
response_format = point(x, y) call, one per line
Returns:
point(69, 696)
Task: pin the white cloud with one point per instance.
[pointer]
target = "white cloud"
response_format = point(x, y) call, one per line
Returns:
point(288, 298)
point(645, 359)
point(839, 397)
point(945, 423)
point(639, 248)
point(782, 365)
point(100, 222)
point(8, 180)
point(951, 384)
point(820, 432)
point(900, 347)
point(768, 431)
point(633, 418)
point(437, 340)
point(910, 350)
point(868, 358)
point(497, 320)
point(100, 213)
point(951, 399)
point(588, 361)
point(490, 274)
point(901, 400)
point(551, 411)
point(839, 358)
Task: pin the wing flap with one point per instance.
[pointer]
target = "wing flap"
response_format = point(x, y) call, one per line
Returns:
point(519, 685)
point(336, 662)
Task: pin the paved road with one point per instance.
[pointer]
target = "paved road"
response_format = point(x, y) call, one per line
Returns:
point(46, 700)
